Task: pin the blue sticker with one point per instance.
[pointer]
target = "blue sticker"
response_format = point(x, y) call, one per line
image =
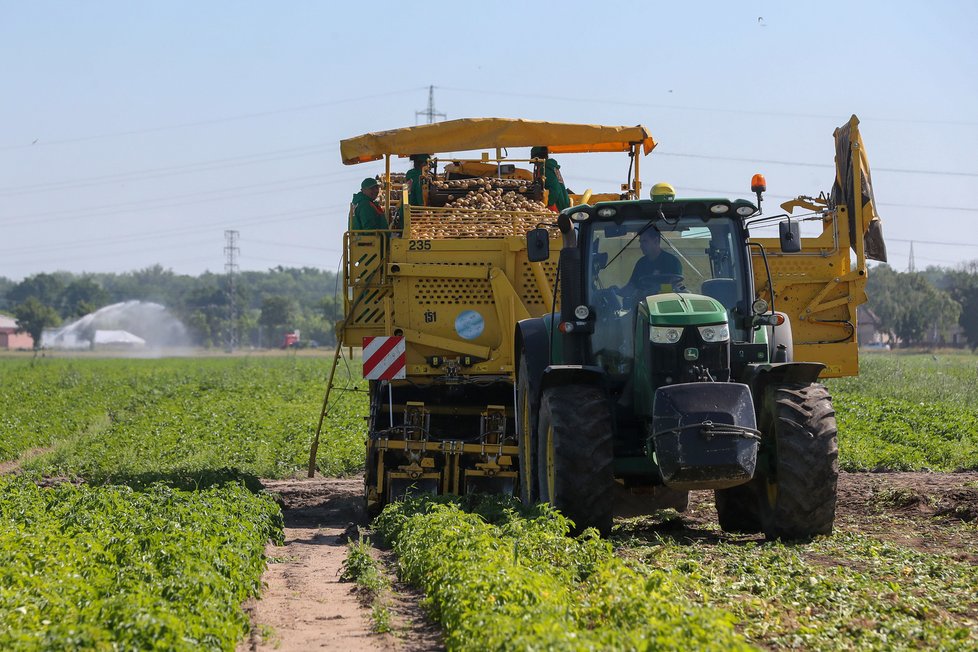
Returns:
point(469, 324)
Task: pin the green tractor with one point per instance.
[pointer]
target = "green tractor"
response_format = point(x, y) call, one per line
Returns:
point(664, 372)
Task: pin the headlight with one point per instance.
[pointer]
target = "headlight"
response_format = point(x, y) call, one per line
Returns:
point(665, 334)
point(718, 333)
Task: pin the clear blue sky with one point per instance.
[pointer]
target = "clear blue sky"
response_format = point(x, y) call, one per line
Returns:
point(135, 133)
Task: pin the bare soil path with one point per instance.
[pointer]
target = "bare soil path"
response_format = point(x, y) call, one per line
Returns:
point(304, 606)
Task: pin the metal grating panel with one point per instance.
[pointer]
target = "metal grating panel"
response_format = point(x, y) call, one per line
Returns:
point(439, 291)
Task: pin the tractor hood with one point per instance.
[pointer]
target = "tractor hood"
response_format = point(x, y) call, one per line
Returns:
point(673, 309)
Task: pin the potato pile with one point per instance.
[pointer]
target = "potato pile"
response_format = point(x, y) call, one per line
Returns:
point(518, 185)
point(491, 209)
point(496, 199)
point(438, 224)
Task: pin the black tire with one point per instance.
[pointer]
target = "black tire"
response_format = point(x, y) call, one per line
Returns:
point(370, 463)
point(527, 443)
point(799, 483)
point(739, 509)
point(575, 455)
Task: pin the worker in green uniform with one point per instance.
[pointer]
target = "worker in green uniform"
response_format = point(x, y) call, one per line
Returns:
point(413, 179)
point(553, 181)
point(365, 213)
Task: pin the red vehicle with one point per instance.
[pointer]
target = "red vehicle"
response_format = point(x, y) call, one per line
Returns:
point(291, 339)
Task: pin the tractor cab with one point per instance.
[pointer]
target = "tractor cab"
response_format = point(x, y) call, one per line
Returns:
point(655, 271)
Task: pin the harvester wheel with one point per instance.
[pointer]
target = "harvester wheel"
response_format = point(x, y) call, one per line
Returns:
point(373, 503)
point(575, 459)
point(798, 484)
point(528, 436)
point(739, 508)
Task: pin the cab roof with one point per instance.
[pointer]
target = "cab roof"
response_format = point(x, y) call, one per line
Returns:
point(468, 134)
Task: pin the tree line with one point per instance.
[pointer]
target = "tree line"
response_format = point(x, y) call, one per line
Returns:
point(912, 307)
point(924, 308)
point(267, 304)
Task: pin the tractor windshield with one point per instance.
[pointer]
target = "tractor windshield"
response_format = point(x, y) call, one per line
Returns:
point(638, 258)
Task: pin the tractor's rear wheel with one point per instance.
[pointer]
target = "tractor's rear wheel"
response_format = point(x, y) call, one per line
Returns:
point(575, 458)
point(527, 436)
point(798, 483)
point(739, 508)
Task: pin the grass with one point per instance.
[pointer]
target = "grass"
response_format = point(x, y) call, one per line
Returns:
point(909, 412)
point(361, 568)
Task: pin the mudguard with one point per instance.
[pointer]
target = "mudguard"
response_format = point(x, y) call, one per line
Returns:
point(758, 377)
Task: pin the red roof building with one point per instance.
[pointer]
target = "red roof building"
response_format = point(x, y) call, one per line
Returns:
point(10, 339)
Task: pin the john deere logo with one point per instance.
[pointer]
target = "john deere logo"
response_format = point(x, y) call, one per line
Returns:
point(691, 354)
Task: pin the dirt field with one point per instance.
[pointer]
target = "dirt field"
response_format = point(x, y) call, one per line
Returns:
point(304, 606)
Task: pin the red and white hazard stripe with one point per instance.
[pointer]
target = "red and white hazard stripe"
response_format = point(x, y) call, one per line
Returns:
point(384, 358)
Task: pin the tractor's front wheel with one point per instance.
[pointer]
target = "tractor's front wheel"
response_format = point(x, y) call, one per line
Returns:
point(575, 455)
point(798, 483)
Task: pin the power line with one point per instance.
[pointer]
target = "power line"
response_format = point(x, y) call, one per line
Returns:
point(932, 242)
point(201, 123)
point(163, 202)
point(816, 165)
point(155, 173)
point(673, 107)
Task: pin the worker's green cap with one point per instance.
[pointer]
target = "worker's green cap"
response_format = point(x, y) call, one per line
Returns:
point(420, 157)
point(369, 182)
point(538, 152)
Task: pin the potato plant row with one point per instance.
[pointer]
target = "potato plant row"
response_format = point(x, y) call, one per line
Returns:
point(908, 413)
point(86, 567)
point(498, 580)
point(186, 420)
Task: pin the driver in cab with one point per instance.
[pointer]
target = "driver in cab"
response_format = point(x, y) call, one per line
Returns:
point(654, 269)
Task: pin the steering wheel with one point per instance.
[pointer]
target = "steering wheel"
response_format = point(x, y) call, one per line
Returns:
point(648, 284)
point(607, 301)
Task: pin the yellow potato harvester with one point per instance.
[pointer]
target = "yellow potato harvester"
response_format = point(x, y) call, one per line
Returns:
point(580, 393)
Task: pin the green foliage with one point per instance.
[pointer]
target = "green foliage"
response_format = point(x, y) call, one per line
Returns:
point(844, 592)
point(908, 412)
point(962, 285)
point(182, 420)
point(33, 317)
point(360, 567)
point(112, 568)
point(908, 305)
point(499, 579)
point(200, 302)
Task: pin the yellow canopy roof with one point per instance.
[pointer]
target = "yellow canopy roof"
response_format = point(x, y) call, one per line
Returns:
point(482, 133)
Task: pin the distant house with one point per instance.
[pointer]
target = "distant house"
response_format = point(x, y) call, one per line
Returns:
point(869, 329)
point(10, 339)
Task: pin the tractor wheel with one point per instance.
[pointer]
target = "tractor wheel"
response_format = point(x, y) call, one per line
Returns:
point(798, 484)
point(739, 508)
point(575, 458)
point(528, 437)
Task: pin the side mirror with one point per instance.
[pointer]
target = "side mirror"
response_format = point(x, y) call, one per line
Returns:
point(538, 245)
point(790, 234)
